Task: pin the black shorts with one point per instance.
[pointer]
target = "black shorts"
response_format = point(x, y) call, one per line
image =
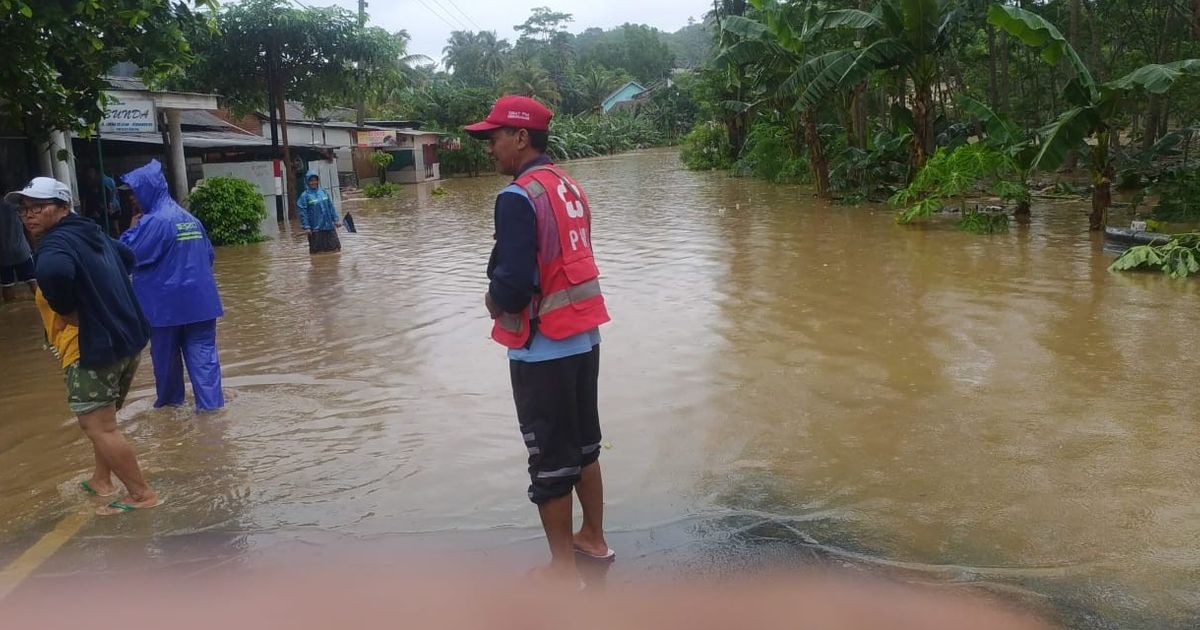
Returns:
point(556, 408)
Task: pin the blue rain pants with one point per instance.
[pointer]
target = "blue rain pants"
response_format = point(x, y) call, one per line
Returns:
point(193, 344)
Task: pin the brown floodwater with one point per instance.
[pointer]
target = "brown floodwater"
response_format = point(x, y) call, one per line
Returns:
point(997, 410)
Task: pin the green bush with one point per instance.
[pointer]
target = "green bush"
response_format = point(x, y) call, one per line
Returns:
point(230, 209)
point(592, 135)
point(706, 147)
point(469, 159)
point(379, 191)
point(980, 222)
point(768, 155)
point(1179, 200)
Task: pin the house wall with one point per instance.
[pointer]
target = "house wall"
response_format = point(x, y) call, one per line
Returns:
point(624, 94)
point(311, 134)
point(261, 174)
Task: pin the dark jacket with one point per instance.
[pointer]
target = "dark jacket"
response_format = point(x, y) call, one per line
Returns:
point(80, 270)
point(512, 268)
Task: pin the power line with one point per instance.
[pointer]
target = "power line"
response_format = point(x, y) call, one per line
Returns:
point(441, 7)
point(469, 18)
point(439, 16)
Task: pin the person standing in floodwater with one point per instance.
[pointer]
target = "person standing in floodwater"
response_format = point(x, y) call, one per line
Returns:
point(175, 284)
point(16, 259)
point(545, 300)
point(93, 321)
point(318, 217)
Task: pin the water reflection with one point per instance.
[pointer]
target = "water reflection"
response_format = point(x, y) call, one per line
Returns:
point(781, 376)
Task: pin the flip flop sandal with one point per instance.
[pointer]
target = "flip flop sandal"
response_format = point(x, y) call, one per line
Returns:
point(608, 557)
point(87, 487)
point(118, 507)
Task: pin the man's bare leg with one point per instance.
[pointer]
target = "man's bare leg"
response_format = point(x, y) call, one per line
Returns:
point(556, 520)
point(101, 479)
point(101, 428)
point(590, 538)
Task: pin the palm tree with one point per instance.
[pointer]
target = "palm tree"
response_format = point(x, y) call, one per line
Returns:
point(907, 36)
point(527, 78)
point(595, 84)
point(1094, 105)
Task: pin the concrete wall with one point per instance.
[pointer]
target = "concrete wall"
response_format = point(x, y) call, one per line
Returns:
point(261, 175)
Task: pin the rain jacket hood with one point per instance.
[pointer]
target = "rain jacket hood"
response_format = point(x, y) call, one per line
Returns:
point(173, 274)
point(80, 270)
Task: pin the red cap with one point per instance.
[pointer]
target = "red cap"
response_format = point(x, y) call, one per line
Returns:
point(517, 112)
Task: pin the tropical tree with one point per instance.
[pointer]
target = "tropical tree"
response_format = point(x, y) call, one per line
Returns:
point(776, 43)
point(1092, 117)
point(269, 47)
point(903, 36)
point(528, 78)
point(595, 83)
point(57, 54)
point(476, 59)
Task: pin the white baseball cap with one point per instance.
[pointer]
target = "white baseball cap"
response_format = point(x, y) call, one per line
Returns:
point(45, 188)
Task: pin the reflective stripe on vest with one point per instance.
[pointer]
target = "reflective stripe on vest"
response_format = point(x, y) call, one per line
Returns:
point(511, 321)
point(577, 293)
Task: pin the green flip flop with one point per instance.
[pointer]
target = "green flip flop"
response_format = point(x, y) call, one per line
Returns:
point(119, 507)
point(87, 487)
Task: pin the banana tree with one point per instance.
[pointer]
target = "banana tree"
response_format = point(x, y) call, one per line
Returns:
point(1094, 106)
point(775, 43)
point(907, 36)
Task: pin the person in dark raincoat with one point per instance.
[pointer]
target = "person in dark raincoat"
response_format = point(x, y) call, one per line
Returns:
point(173, 279)
point(318, 216)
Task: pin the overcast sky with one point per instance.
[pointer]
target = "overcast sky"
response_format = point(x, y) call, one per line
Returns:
point(429, 22)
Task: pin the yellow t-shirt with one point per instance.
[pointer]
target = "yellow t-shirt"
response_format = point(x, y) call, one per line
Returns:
point(63, 337)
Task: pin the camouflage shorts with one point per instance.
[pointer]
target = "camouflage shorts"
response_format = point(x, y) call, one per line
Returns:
point(89, 389)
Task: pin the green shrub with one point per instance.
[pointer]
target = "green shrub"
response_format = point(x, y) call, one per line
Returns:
point(379, 191)
point(768, 155)
point(469, 159)
point(980, 222)
point(592, 135)
point(706, 147)
point(230, 209)
point(1179, 200)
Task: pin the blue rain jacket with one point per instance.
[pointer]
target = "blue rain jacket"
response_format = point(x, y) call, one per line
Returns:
point(172, 275)
point(316, 207)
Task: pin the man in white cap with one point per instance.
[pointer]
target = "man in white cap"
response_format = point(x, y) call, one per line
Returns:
point(95, 325)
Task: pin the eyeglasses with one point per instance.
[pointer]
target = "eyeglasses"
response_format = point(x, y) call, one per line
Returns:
point(33, 209)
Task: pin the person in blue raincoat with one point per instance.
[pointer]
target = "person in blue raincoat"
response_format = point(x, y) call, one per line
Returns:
point(173, 279)
point(318, 217)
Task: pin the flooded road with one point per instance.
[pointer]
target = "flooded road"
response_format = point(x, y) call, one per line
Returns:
point(997, 410)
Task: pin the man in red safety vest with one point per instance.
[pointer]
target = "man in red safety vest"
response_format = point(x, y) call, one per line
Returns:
point(545, 301)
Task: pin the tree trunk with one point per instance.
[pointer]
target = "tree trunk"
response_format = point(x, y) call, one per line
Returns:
point(858, 115)
point(1101, 181)
point(922, 139)
point(1150, 129)
point(993, 80)
point(1074, 36)
point(289, 180)
point(1005, 75)
point(1022, 214)
point(817, 162)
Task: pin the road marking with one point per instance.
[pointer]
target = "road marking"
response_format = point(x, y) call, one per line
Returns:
point(18, 570)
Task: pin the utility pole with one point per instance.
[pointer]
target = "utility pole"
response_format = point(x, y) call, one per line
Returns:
point(362, 98)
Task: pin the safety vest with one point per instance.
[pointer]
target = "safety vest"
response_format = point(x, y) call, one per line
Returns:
point(568, 300)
